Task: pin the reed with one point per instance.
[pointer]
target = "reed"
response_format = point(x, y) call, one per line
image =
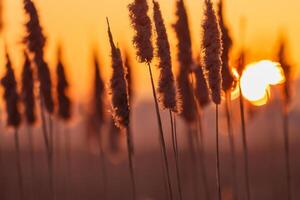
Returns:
point(11, 98)
point(141, 23)
point(166, 84)
point(212, 52)
point(120, 103)
point(98, 118)
point(286, 99)
point(240, 68)
point(35, 42)
point(64, 112)
point(227, 84)
point(28, 99)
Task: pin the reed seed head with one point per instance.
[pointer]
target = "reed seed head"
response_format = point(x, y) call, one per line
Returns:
point(227, 76)
point(118, 86)
point(212, 51)
point(11, 96)
point(141, 24)
point(201, 88)
point(64, 102)
point(166, 85)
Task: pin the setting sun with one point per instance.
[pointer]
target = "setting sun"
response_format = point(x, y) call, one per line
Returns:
point(257, 78)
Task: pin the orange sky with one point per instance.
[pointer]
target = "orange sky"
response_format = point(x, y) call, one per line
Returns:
point(80, 25)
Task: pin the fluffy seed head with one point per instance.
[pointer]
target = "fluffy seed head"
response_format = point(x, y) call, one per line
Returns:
point(11, 96)
point(212, 51)
point(201, 88)
point(64, 102)
point(118, 86)
point(166, 85)
point(227, 76)
point(141, 24)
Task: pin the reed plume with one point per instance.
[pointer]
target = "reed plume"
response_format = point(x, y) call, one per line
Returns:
point(128, 75)
point(212, 52)
point(141, 24)
point(227, 77)
point(184, 56)
point(120, 101)
point(286, 99)
point(228, 82)
point(35, 41)
point(64, 102)
point(11, 98)
point(28, 91)
point(166, 83)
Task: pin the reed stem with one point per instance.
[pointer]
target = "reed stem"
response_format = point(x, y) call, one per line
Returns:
point(175, 151)
point(48, 149)
point(32, 158)
point(18, 162)
point(231, 145)
point(200, 138)
point(68, 150)
point(103, 168)
point(218, 155)
point(130, 159)
point(287, 151)
point(245, 145)
point(161, 134)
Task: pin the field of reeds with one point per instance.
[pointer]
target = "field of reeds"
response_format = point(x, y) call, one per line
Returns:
point(214, 127)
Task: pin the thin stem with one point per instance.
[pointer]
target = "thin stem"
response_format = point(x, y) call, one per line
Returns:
point(202, 157)
point(287, 151)
point(175, 151)
point(19, 167)
point(194, 161)
point(68, 150)
point(130, 159)
point(218, 155)
point(245, 144)
point(32, 158)
point(48, 148)
point(103, 168)
point(161, 134)
point(231, 145)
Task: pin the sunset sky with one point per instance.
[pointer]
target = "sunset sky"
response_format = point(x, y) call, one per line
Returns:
point(80, 27)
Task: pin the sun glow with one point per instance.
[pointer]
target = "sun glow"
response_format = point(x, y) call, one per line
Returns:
point(257, 79)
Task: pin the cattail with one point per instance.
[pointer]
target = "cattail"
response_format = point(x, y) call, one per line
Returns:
point(64, 102)
point(118, 86)
point(28, 91)
point(166, 86)
point(185, 60)
point(11, 96)
point(212, 51)
point(227, 76)
point(201, 88)
point(287, 70)
point(35, 41)
point(141, 24)
point(128, 75)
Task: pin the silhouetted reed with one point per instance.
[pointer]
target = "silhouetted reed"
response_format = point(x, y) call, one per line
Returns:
point(11, 98)
point(212, 52)
point(286, 99)
point(227, 85)
point(28, 99)
point(35, 41)
point(120, 101)
point(166, 83)
point(141, 23)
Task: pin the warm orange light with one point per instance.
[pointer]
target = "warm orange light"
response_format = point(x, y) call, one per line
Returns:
point(257, 79)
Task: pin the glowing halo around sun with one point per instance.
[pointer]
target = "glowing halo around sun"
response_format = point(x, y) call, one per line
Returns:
point(257, 79)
